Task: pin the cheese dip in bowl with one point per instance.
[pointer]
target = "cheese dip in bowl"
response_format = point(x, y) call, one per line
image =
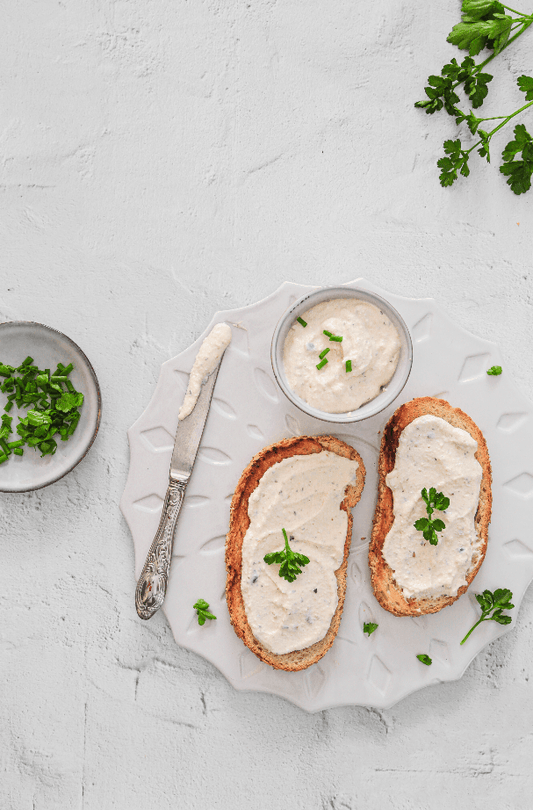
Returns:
point(341, 354)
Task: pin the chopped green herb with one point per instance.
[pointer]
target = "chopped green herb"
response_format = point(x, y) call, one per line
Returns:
point(290, 562)
point(348, 366)
point(429, 527)
point(13, 445)
point(52, 403)
point(301, 320)
point(425, 659)
point(323, 354)
point(494, 371)
point(336, 338)
point(493, 603)
point(329, 334)
point(322, 363)
point(202, 611)
point(369, 627)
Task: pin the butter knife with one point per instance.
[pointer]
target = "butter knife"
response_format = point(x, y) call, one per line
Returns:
point(152, 585)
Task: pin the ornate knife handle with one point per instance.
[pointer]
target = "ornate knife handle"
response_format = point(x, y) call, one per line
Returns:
point(152, 585)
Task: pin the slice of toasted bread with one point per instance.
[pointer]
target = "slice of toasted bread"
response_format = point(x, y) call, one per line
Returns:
point(239, 523)
point(387, 592)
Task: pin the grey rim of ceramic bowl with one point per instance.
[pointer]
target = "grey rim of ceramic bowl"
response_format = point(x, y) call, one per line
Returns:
point(324, 294)
point(98, 398)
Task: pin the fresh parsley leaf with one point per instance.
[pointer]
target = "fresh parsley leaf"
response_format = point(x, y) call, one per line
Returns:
point(494, 603)
point(440, 91)
point(518, 172)
point(290, 562)
point(484, 139)
point(428, 527)
point(476, 88)
point(456, 160)
point(525, 83)
point(477, 9)
point(484, 23)
point(369, 627)
point(425, 659)
point(494, 371)
point(202, 611)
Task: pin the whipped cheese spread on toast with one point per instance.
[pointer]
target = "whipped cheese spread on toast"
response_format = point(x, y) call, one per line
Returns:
point(433, 453)
point(301, 494)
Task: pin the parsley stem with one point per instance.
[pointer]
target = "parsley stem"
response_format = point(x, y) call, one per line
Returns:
point(518, 13)
point(473, 628)
point(509, 118)
point(503, 123)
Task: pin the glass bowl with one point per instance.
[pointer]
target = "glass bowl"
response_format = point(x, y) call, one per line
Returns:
point(388, 393)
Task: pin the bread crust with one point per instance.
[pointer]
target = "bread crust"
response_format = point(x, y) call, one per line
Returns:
point(239, 523)
point(387, 592)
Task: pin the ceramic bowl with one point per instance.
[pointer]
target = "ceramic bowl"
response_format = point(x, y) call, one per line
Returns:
point(47, 346)
point(388, 393)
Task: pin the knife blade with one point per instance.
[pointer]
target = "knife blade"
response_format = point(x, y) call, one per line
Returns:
point(152, 584)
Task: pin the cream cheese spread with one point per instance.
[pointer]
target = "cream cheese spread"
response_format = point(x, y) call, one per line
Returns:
point(207, 358)
point(369, 341)
point(301, 494)
point(433, 453)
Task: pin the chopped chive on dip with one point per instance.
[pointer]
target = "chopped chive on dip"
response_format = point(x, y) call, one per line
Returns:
point(323, 354)
point(53, 407)
point(329, 334)
point(301, 320)
point(322, 363)
point(348, 366)
point(336, 338)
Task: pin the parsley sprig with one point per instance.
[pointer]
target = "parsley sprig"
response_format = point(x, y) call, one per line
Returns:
point(428, 527)
point(290, 562)
point(202, 611)
point(518, 172)
point(493, 603)
point(485, 24)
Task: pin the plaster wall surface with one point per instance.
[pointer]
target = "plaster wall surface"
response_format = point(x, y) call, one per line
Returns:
point(161, 161)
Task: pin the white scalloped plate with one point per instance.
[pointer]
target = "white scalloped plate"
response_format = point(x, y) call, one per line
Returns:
point(250, 412)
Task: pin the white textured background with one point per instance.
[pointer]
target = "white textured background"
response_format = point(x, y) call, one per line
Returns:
point(161, 161)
